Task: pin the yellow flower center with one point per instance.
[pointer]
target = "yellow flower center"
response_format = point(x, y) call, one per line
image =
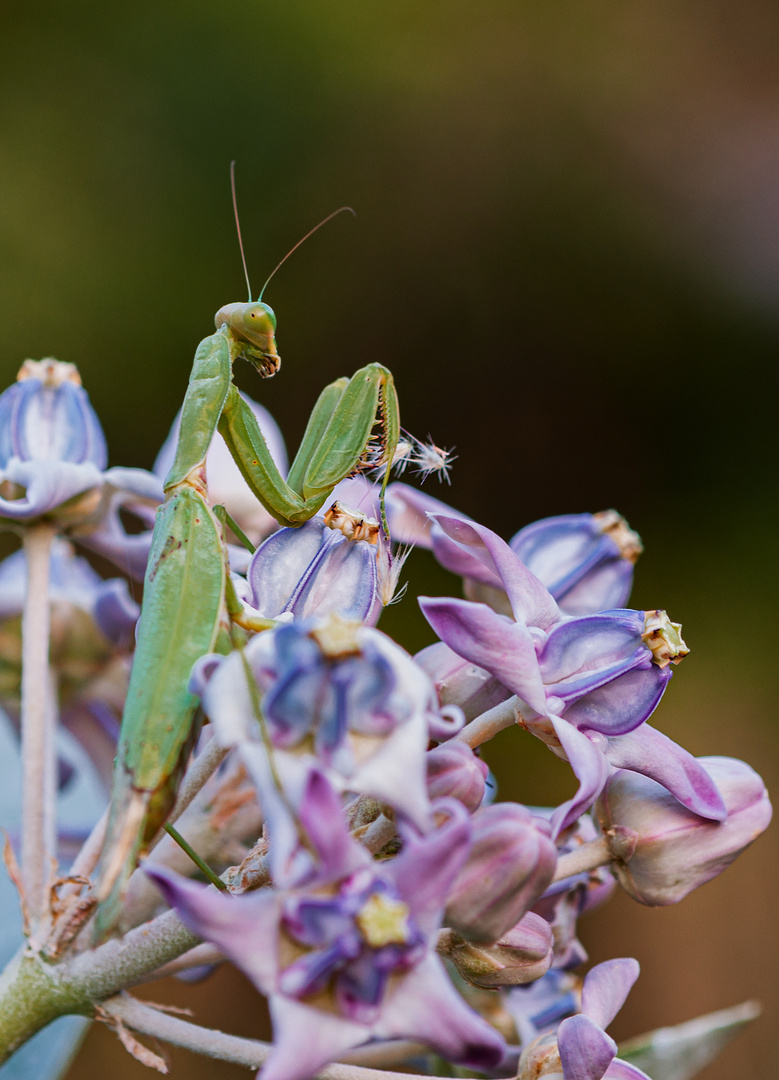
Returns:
point(383, 921)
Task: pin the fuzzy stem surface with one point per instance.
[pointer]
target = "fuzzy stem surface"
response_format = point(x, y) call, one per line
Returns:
point(37, 722)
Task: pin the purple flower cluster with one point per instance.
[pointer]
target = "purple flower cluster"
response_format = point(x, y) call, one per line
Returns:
point(395, 890)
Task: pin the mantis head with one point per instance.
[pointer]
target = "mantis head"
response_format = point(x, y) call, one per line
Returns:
point(253, 326)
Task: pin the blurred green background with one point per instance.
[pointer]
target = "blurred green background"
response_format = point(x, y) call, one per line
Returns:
point(567, 250)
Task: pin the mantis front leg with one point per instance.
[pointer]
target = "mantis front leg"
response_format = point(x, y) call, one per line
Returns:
point(354, 427)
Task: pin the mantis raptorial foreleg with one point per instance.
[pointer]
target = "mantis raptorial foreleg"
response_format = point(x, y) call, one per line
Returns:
point(354, 426)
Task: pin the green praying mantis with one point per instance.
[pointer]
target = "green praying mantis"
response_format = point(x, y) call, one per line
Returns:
point(187, 594)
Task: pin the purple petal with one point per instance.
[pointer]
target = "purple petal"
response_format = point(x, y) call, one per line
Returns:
point(244, 928)
point(622, 704)
point(426, 868)
point(116, 613)
point(321, 815)
point(407, 513)
point(581, 566)
point(279, 564)
point(306, 1039)
point(649, 752)
point(590, 768)
point(48, 485)
point(477, 633)
point(461, 560)
point(586, 1051)
point(602, 589)
point(424, 1005)
point(341, 580)
point(606, 987)
point(582, 654)
point(623, 1070)
point(530, 601)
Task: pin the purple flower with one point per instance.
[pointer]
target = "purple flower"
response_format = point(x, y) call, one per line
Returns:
point(581, 1049)
point(350, 957)
point(585, 560)
point(53, 465)
point(336, 688)
point(587, 684)
point(314, 570)
point(677, 851)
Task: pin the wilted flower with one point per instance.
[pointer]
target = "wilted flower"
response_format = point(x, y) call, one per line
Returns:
point(581, 1049)
point(587, 684)
point(675, 850)
point(509, 866)
point(350, 957)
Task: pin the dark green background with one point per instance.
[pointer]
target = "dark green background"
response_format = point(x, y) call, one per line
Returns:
point(566, 249)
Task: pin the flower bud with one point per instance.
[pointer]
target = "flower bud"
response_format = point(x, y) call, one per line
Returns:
point(676, 851)
point(453, 769)
point(459, 682)
point(520, 956)
point(511, 862)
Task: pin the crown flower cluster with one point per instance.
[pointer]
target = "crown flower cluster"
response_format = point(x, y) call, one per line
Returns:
point(310, 801)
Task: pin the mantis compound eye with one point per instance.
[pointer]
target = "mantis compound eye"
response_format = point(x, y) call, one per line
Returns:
point(253, 326)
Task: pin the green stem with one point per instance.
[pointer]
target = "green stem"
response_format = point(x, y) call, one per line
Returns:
point(201, 864)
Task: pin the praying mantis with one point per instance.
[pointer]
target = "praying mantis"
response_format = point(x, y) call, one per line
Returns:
point(187, 594)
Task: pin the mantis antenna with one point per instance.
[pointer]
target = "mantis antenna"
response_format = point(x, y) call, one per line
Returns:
point(302, 240)
point(238, 230)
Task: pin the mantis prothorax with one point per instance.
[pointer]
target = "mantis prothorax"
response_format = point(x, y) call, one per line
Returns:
point(354, 426)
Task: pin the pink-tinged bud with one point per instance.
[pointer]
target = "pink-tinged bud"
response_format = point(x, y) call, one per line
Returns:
point(520, 956)
point(459, 682)
point(676, 851)
point(453, 769)
point(510, 865)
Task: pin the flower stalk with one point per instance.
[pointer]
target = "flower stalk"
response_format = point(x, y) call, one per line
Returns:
point(38, 730)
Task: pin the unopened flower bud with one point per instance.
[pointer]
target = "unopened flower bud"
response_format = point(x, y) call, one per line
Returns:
point(453, 769)
point(520, 956)
point(459, 682)
point(676, 851)
point(510, 865)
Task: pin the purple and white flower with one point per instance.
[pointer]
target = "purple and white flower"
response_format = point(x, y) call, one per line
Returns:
point(581, 1049)
point(53, 466)
point(351, 956)
point(330, 691)
point(587, 684)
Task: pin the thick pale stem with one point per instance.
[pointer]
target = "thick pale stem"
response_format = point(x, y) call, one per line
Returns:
point(201, 770)
point(491, 722)
point(149, 1021)
point(38, 744)
point(585, 858)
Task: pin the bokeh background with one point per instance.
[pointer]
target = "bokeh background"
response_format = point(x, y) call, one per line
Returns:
point(567, 250)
